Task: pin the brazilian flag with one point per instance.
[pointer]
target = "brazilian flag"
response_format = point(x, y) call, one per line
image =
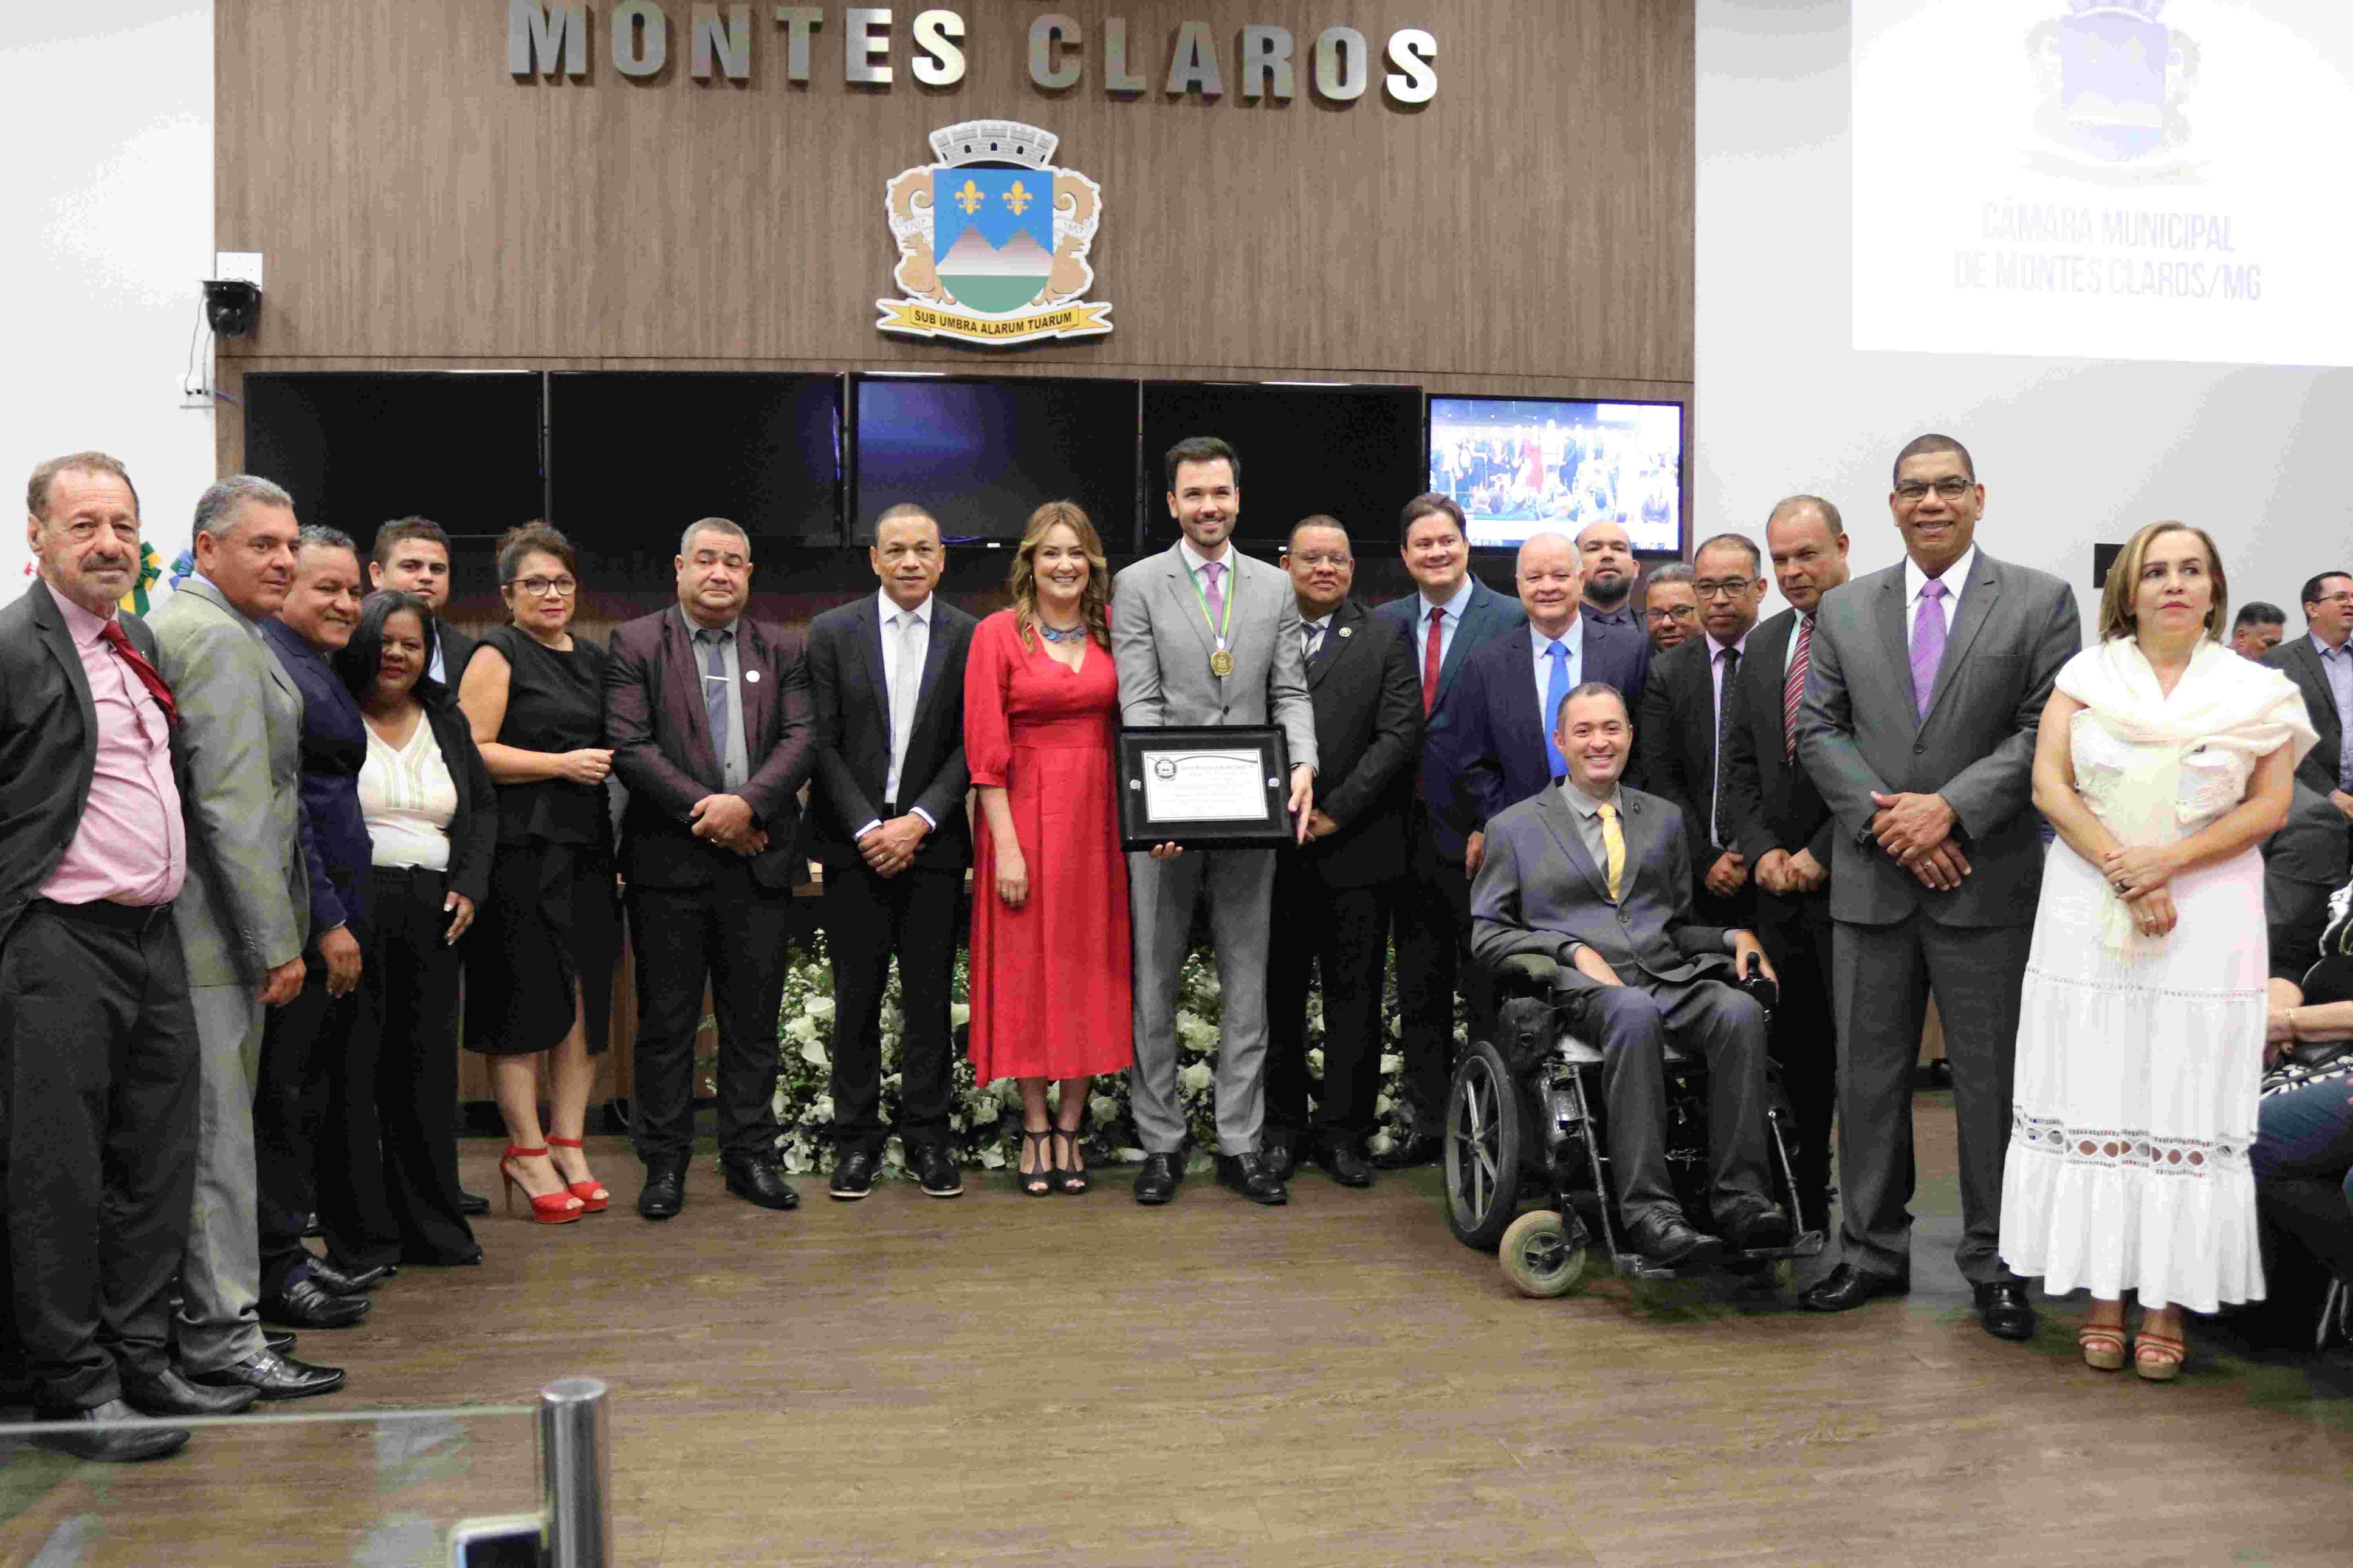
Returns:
point(149, 569)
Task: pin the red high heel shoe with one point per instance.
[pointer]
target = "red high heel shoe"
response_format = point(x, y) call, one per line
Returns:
point(547, 1209)
point(591, 1193)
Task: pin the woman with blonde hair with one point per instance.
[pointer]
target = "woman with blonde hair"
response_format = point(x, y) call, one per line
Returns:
point(2163, 761)
point(1049, 987)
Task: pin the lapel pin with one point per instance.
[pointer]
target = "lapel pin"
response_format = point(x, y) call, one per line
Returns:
point(1347, 631)
point(752, 675)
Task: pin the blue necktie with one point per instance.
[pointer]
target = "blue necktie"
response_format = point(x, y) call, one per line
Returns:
point(1556, 684)
point(714, 697)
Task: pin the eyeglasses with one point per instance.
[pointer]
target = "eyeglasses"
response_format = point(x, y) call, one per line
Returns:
point(2342, 601)
point(1729, 588)
point(1672, 613)
point(1952, 486)
point(540, 587)
point(1310, 559)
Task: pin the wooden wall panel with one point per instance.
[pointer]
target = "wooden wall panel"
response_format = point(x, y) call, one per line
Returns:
point(413, 199)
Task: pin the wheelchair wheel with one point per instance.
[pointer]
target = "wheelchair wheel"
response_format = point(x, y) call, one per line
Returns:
point(1485, 1132)
point(1541, 1257)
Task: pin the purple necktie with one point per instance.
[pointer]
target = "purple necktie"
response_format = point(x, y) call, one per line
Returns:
point(1213, 595)
point(1927, 644)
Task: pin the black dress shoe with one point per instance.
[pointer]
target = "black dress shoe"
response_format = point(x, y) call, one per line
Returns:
point(664, 1192)
point(275, 1376)
point(110, 1448)
point(758, 1181)
point(1344, 1162)
point(170, 1394)
point(472, 1203)
point(937, 1169)
point(1280, 1156)
point(853, 1175)
point(1248, 1175)
point(280, 1340)
point(1750, 1224)
point(339, 1282)
point(304, 1305)
point(1667, 1238)
point(1846, 1288)
point(1157, 1181)
point(2002, 1308)
point(1421, 1149)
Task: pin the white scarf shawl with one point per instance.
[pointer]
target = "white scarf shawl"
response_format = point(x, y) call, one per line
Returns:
point(2225, 714)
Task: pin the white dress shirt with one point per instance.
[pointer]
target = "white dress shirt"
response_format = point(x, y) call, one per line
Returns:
point(916, 647)
point(1955, 578)
point(1452, 623)
point(1573, 640)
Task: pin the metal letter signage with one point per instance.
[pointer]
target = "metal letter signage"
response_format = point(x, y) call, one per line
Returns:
point(993, 241)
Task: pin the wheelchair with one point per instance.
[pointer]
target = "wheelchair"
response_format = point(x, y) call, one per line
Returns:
point(1526, 1115)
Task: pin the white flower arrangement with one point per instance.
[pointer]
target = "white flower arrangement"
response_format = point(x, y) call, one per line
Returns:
point(986, 1119)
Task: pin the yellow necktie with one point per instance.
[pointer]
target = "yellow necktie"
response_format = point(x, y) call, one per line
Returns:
point(1614, 844)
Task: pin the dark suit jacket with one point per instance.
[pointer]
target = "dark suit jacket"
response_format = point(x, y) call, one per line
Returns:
point(2296, 659)
point(660, 735)
point(1366, 692)
point(852, 697)
point(1860, 730)
point(335, 845)
point(1486, 616)
point(1538, 891)
point(1490, 751)
point(48, 742)
point(457, 647)
point(1769, 801)
point(474, 831)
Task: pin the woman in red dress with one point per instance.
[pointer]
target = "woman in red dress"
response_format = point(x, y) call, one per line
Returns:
point(1049, 942)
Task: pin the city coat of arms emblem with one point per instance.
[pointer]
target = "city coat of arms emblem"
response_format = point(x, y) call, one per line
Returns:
point(993, 240)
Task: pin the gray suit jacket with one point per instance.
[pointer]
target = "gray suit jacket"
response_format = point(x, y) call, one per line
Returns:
point(2296, 659)
point(1161, 641)
point(1538, 891)
point(1859, 729)
point(238, 745)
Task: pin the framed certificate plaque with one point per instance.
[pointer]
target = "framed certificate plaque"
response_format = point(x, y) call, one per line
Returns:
point(1205, 789)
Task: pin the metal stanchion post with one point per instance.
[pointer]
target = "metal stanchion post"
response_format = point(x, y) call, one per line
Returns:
point(576, 1463)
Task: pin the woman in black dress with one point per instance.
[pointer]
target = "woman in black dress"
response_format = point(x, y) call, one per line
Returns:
point(539, 978)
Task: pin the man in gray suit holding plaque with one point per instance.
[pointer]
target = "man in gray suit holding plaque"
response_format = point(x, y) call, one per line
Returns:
point(1925, 689)
point(1205, 636)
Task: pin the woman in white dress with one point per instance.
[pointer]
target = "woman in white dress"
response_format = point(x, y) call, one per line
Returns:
point(2164, 759)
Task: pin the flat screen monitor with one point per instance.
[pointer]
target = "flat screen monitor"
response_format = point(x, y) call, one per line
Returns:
point(635, 455)
point(981, 455)
point(357, 450)
point(1348, 452)
point(1522, 466)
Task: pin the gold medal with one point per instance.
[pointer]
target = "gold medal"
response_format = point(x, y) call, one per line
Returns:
point(1221, 664)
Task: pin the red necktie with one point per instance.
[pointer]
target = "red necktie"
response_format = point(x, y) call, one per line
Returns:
point(111, 630)
point(1793, 686)
point(1429, 663)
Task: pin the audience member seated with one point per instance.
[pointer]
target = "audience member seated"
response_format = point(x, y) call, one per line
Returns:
point(1598, 877)
point(1670, 607)
point(2257, 629)
point(2303, 1156)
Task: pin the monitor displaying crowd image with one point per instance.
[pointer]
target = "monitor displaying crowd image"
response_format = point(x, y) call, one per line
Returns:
point(1521, 466)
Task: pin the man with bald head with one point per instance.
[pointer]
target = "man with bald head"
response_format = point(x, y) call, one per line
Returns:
point(1495, 748)
point(1610, 575)
point(1782, 829)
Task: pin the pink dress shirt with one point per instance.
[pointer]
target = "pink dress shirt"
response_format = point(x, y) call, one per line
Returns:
point(131, 847)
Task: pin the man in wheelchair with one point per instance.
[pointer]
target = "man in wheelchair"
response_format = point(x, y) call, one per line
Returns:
point(1596, 876)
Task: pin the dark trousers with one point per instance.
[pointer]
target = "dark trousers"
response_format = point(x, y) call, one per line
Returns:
point(1882, 977)
point(1338, 935)
point(2303, 1154)
point(1430, 913)
point(411, 983)
point(732, 932)
point(1796, 932)
point(1720, 1024)
point(98, 1131)
point(869, 921)
point(314, 1130)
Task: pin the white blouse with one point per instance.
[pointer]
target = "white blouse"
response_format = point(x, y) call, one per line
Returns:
point(408, 799)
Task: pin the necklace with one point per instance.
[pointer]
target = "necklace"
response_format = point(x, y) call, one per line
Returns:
point(1055, 634)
